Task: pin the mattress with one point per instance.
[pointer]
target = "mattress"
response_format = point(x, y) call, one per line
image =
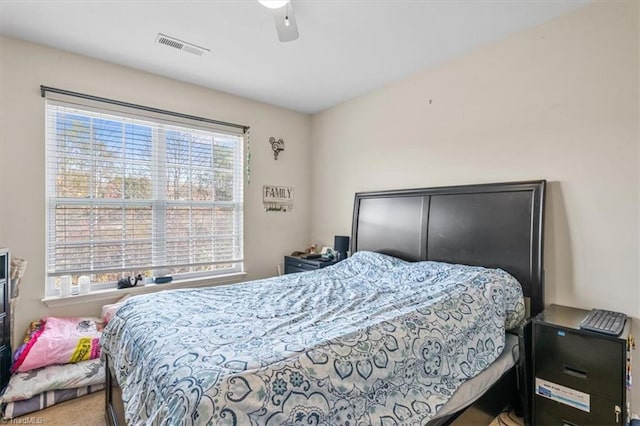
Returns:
point(372, 340)
point(474, 388)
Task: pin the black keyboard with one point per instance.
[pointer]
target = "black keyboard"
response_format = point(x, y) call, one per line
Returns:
point(602, 321)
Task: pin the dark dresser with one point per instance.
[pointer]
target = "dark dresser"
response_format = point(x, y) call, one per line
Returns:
point(579, 377)
point(294, 264)
point(5, 328)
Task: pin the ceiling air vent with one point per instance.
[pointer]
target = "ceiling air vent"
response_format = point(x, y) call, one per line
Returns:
point(180, 45)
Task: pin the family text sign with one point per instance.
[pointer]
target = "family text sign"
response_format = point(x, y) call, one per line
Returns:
point(277, 198)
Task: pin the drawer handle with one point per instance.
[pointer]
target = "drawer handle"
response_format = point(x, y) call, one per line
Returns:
point(575, 372)
point(568, 423)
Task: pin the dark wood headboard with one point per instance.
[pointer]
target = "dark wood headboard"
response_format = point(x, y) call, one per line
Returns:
point(496, 225)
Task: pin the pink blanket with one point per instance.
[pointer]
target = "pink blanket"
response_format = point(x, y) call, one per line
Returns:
point(61, 341)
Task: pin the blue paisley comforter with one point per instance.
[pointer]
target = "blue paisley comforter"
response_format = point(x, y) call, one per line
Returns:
point(370, 340)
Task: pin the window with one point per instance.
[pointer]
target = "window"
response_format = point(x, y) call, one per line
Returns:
point(130, 194)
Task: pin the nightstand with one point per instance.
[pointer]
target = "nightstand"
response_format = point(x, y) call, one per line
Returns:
point(579, 377)
point(297, 264)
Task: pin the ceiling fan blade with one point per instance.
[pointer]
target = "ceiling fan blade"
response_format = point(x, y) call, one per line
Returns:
point(282, 16)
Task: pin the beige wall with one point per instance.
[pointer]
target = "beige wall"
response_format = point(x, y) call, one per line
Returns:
point(25, 66)
point(558, 102)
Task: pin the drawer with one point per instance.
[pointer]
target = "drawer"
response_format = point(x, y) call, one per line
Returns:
point(4, 329)
point(591, 364)
point(293, 268)
point(5, 364)
point(294, 264)
point(325, 264)
point(302, 265)
point(551, 413)
point(5, 296)
point(4, 265)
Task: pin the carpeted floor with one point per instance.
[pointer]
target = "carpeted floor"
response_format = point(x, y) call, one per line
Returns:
point(89, 411)
point(85, 411)
point(507, 418)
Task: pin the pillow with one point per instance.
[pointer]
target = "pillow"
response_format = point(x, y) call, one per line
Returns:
point(108, 311)
point(384, 261)
point(367, 265)
point(25, 385)
point(60, 341)
point(44, 400)
point(498, 287)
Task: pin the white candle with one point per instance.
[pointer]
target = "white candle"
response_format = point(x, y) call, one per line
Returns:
point(84, 284)
point(65, 285)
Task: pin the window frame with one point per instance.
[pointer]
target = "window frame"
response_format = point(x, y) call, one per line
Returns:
point(158, 203)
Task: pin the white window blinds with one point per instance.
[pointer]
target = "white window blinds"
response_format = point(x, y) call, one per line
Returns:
point(129, 194)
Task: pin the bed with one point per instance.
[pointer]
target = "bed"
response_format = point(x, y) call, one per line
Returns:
point(398, 333)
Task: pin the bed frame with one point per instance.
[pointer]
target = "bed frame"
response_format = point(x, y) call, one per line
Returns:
point(494, 225)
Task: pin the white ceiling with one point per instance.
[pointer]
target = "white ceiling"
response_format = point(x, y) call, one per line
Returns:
point(345, 49)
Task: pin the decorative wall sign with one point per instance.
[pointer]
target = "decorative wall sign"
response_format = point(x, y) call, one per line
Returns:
point(276, 146)
point(277, 198)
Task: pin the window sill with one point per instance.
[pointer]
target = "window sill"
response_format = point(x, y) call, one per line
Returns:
point(112, 295)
